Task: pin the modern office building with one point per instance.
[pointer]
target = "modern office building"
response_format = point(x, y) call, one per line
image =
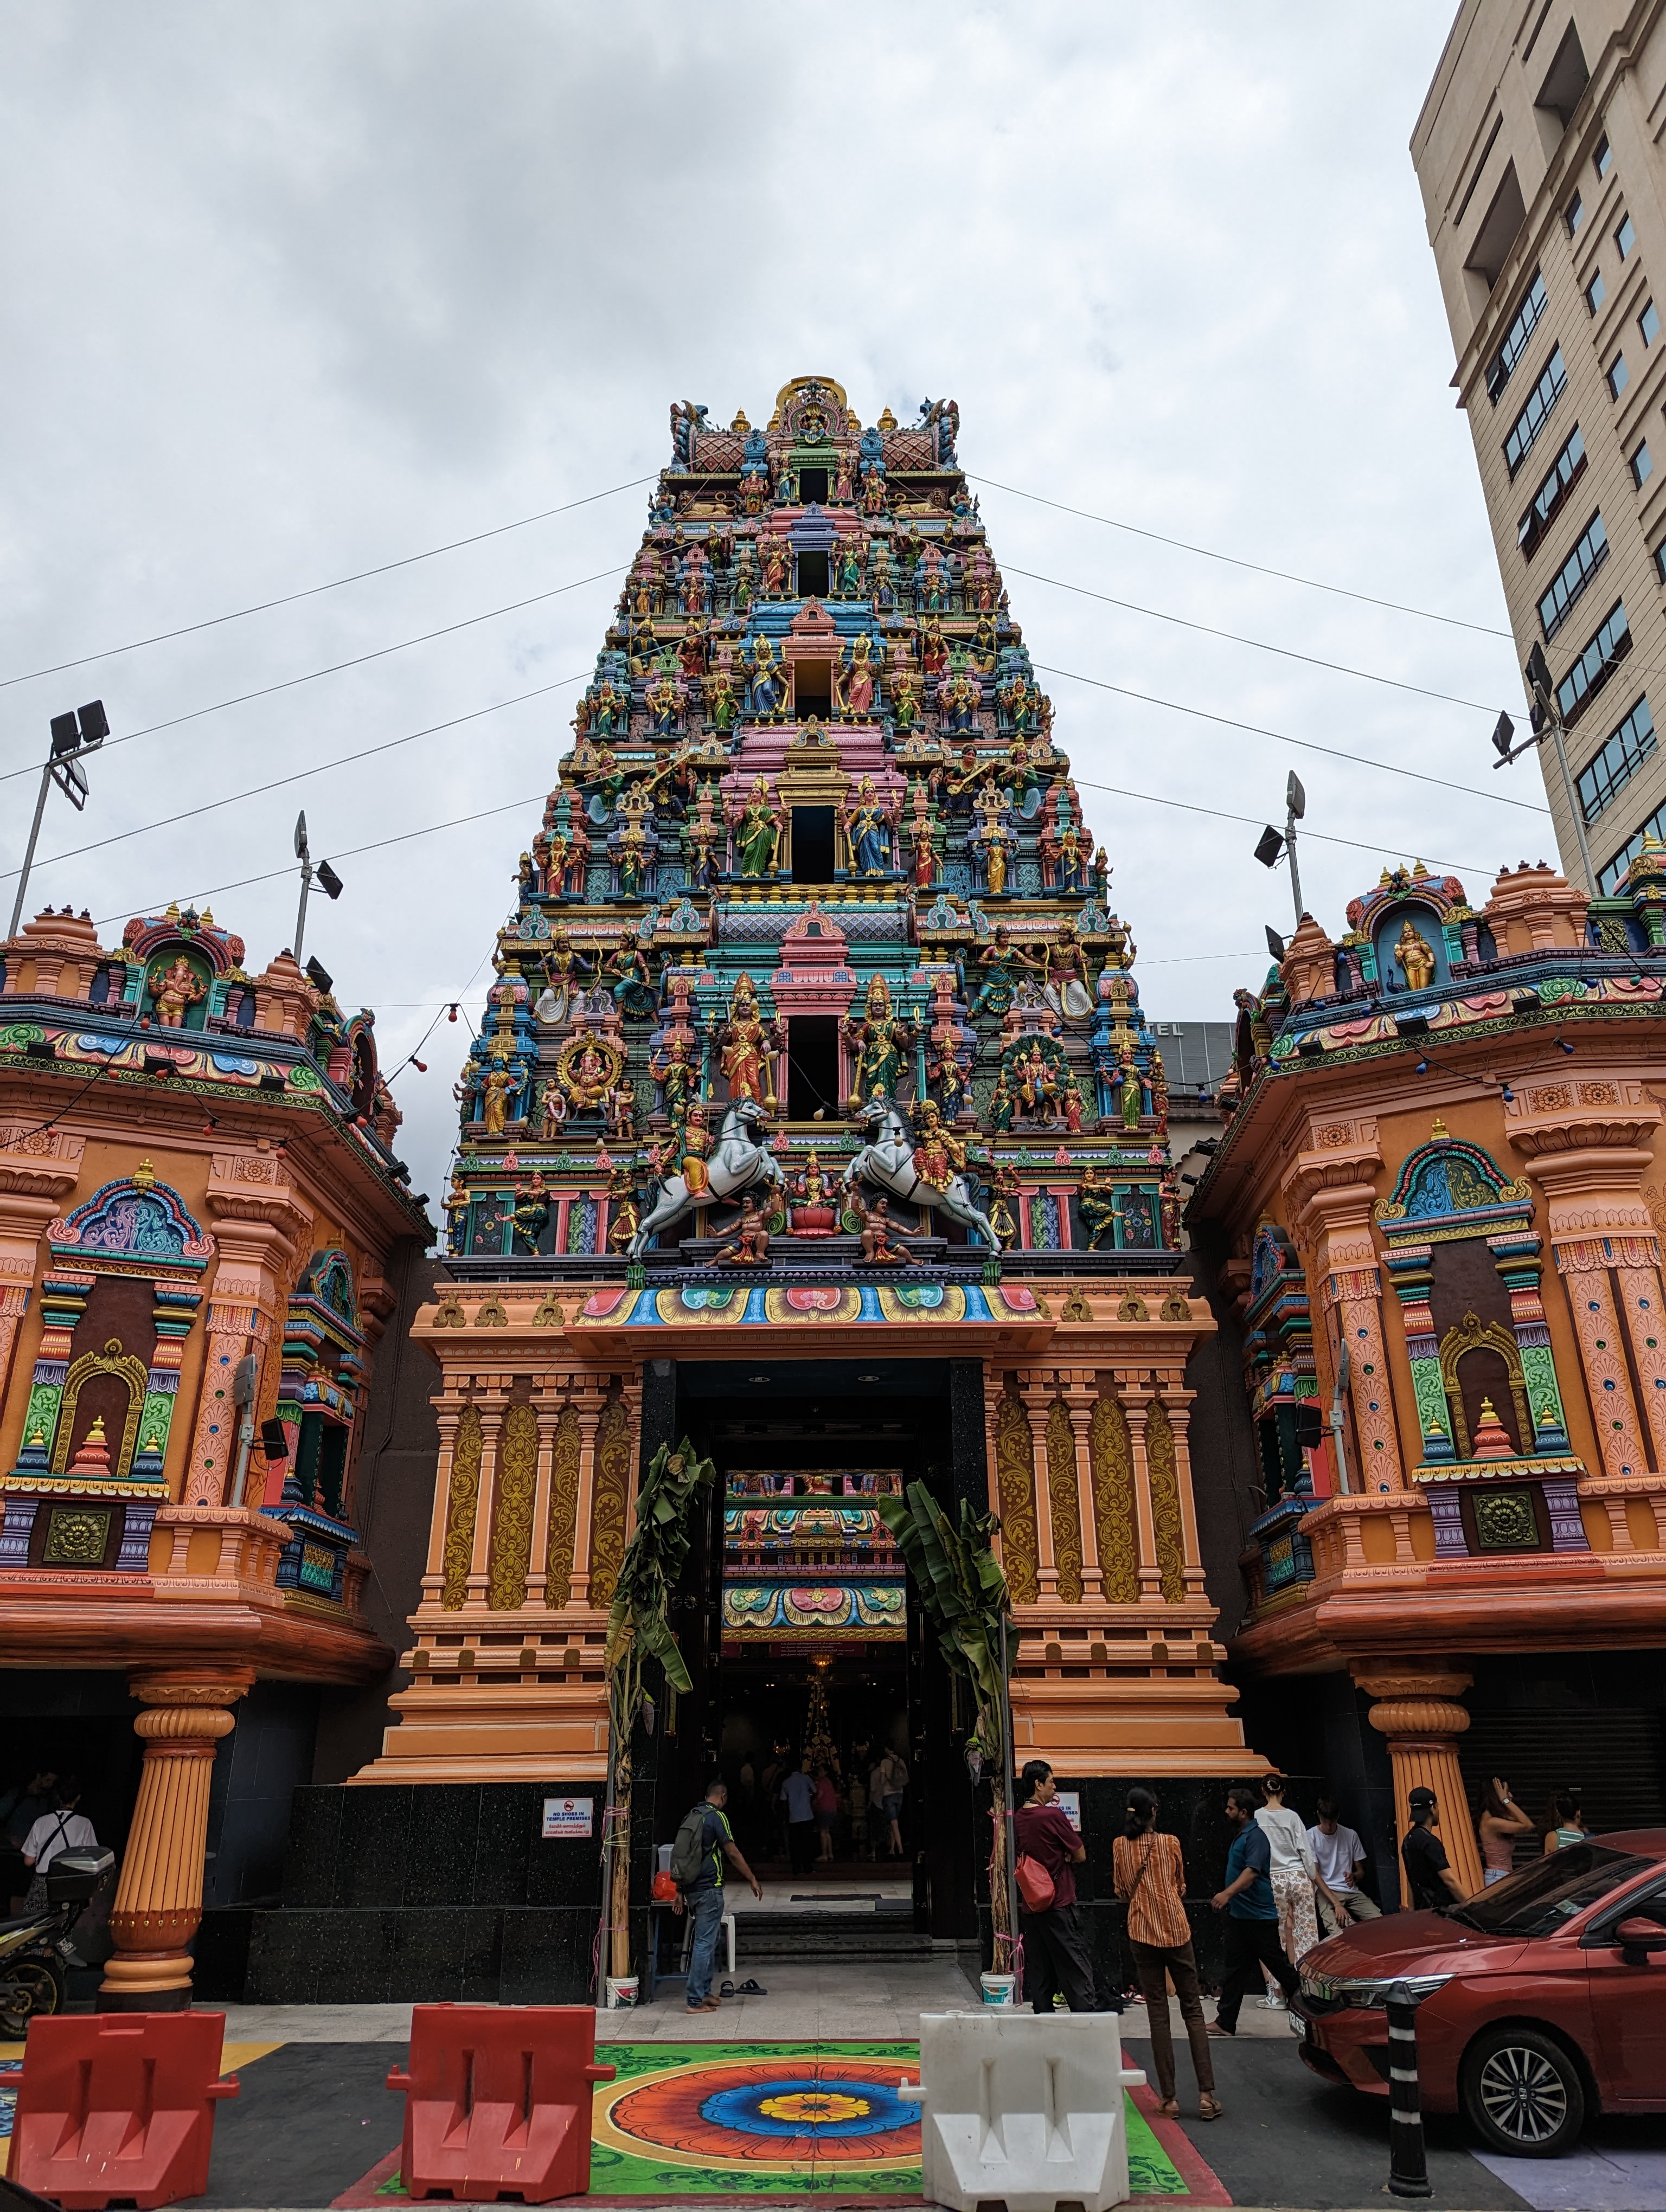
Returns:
point(1539, 155)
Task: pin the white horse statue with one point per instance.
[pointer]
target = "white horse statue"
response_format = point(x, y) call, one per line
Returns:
point(738, 1161)
point(887, 1158)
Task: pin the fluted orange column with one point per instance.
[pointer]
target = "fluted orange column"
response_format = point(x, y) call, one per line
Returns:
point(1418, 1712)
point(159, 1899)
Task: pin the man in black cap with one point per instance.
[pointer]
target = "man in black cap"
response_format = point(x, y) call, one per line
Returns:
point(1424, 1856)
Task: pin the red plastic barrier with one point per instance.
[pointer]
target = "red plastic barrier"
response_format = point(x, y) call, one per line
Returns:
point(497, 2101)
point(119, 2106)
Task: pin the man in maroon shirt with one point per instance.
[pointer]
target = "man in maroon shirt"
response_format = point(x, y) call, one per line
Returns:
point(1054, 1955)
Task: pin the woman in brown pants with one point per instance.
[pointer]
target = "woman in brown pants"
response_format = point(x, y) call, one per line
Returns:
point(1150, 1875)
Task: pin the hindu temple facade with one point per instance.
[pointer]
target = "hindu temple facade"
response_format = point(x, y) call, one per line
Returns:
point(202, 1228)
point(814, 1113)
point(1435, 1214)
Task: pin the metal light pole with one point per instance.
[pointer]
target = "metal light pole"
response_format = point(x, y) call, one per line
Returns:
point(324, 875)
point(72, 736)
point(1273, 844)
point(1547, 722)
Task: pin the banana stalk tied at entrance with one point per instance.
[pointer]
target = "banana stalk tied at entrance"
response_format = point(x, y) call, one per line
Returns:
point(639, 1630)
point(963, 1593)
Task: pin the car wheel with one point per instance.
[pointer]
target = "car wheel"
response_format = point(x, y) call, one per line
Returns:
point(1522, 2094)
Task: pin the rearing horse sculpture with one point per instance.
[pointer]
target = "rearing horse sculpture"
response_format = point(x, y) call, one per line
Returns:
point(887, 1158)
point(737, 1162)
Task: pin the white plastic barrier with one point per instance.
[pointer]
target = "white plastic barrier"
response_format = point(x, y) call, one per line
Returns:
point(1024, 2108)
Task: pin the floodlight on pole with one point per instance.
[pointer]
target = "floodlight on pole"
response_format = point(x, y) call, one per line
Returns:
point(320, 872)
point(1545, 720)
point(72, 736)
point(1273, 844)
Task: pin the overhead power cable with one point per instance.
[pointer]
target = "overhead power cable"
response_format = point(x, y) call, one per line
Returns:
point(1256, 568)
point(1258, 821)
point(290, 682)
point(1305, 744)
point(312, 592)
point(299, 776)
point(1285, 651)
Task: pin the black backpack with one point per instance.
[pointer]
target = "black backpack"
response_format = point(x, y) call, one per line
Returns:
point(688, 1857)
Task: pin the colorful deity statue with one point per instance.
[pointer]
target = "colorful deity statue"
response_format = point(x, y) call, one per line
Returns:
point(722, 708)
point(881, 583)
point(1020, 701)
point(1095, 1201)
point(875, 498)
point(1071, 1099)
point(939, 1155)
point(933, 647)
point(532, 1211)
point(691, 650)
point(758, 831)
point(1413, 951)
point(948, 1079)
point(551, 1110)
point(496, 1088)
point(633, 858)
point(693, 582)
point(677, 1078)
point(695, 1147)
point(1002, 1105)
point(906, 693)
point(624, 1218)
point(853, 685)
point(984, 652)
point(745, 1044)
point(1159, 1092)
point(1132, 1095)
point(881, 1040)
point(610, 709)
point(867, 825)
point(664, 699)
point(844, 481)
point(876, 1232)
point(979, 585)
point(927, 838)
point(628, 964)
point(848, 568)
point(999, 957)
point(776, 563)
point(1036, 1084)
point(620, 1106)
point(749, 1247)
point(957, 698)
point(174, 990)
point(702, 841)
point(769, 682)
point(993, 842)
point(1003, 1198)
point(1064, 984)
point(561, 968)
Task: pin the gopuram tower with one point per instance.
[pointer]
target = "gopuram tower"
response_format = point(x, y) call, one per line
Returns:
point(814, 1115)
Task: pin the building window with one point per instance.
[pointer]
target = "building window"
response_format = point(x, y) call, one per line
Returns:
point(1576, 571)
point(1503, 364)
point(1592, 669)
point(1595, 292)
point(1564, 472)
point(1532, 419)
point(1603, 159)
point(1625, 237)
point(1573, 214)
point(1649, 323)
point(1609, 877)
point(1660, 561)
point(1642, 467)
point(1618, 376)
point(1622, 756)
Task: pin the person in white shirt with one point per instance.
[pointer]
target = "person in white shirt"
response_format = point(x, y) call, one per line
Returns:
point(1338, 1855)
point(54, 1833)
point(1293, 1873)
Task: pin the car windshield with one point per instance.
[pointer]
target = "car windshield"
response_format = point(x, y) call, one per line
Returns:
point(1551, 1891)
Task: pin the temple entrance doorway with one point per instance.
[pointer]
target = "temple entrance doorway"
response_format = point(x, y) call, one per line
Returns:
point(811, 1647)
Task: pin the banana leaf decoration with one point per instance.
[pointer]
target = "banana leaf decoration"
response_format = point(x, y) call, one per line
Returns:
point(639, 1629)
point(964, 1592)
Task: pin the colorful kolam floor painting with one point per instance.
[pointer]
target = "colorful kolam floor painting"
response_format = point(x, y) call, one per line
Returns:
point(786, 2120)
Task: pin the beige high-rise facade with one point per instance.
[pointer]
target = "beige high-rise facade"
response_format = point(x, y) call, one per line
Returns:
point(1539, 155)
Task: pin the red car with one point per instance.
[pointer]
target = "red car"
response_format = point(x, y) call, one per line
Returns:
point(1543, 1999)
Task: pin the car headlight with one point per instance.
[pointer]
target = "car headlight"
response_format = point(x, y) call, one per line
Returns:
point(1372, 1991)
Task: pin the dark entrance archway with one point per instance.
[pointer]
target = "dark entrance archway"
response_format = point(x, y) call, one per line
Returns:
point(809, 1425)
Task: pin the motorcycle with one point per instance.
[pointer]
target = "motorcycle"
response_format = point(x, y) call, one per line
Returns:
point(31, 1964)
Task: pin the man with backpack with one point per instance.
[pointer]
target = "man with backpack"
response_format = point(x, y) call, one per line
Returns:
point(703, 1842)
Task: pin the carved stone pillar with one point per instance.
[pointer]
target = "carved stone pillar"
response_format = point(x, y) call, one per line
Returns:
point(491, 1430)
point(38, 1168)
point(1588, 1146)
point(1416, 1709)
point(260, 1226)
point(1136, 1398)
point(159, 1899)
point(590, 1414)
point(1080, 1408)
point(1331, 1195)
point(1038, 1404)
point(1177, 1401)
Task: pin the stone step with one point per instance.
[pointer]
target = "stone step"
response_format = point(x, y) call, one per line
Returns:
point(827, 1936)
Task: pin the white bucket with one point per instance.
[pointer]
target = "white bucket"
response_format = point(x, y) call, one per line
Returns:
point(622, 1992)
point(999, 1988)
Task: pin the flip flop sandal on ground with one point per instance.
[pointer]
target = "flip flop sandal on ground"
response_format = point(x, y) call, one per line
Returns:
point(753, 1989)
point(727, 1989)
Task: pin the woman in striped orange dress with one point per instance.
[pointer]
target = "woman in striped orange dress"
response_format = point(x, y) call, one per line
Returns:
point(1150, 1875)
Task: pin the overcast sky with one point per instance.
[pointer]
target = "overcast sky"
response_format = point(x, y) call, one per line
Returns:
point(289, 291)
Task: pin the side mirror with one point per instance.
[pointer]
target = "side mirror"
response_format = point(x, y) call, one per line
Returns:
point(1637, 1937)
